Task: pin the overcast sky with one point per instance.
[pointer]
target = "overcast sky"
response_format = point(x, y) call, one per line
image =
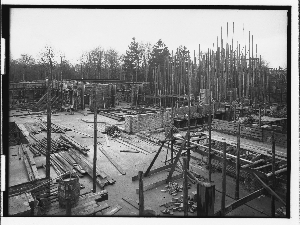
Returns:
point(74, 31)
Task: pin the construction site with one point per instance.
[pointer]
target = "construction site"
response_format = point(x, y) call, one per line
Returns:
point(203, 135)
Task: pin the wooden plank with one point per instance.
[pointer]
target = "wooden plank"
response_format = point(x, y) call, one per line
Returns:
point(158, 183)
point(114, 210)
point(177, 157)
point(112, 161)
point(92, 209)
point(229, 163)
point(131, 202)
point(141, 194)
point(154, 171)
point(270, 190)
point(155, 157)
point(241, 202)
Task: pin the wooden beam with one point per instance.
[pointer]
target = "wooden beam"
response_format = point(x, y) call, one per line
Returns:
point(241, 202)
point(131, 202)
point(153, 171)
point(141, 194)
point(185, 187)
point(177, 157)
point(253, 164)
point(218, 158)
point(223, 180)
point(158, 183)
point(273, 209)
point(113, 210)
point(283, 170)
point(269, 190)
point(155, 157)
point(95, 142)
point(112, 161)
point(238, 163)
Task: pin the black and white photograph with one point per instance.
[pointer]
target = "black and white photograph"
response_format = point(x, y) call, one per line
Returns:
point(152, 112)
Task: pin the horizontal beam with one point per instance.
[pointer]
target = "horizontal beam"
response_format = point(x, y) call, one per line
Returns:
point(283, 170)
point(228, 162)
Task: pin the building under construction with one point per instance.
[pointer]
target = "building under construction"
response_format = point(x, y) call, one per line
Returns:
point(200, 137)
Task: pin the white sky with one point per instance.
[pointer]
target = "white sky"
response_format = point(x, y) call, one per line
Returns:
point(74, 31)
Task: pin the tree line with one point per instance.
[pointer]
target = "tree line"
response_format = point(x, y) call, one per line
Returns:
point(99, 63)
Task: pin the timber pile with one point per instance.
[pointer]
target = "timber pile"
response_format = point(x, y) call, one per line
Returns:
point(33, 128)
point(40, 146)
point(29, 164)
point(55, 128)
point(102, 178)
point(75, 144)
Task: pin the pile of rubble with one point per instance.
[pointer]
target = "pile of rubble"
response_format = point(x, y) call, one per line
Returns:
point(176, 204)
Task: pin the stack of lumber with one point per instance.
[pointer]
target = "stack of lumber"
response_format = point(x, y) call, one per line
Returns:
point(33, 128)
point(102, 178)
point(29, 164)
point(63, 162)
point(54, 127)
point(40, 146)
point(75, 144)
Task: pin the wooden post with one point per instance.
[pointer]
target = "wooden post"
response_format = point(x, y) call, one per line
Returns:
point(205, 199)
point(223, 180)
point(49, 122)
point(82, 96)
point(185, 187)
point(209, 122)
point(234, 113)
point(189, 119)
point(172, 147)
point(61, 85)
point(273, 175)
point(95, 142)
point(141, 194)
point(237, 168)
point(259, 122)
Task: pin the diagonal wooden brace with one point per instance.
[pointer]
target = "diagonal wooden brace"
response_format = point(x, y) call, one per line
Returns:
point(273, 193)
point(155, 157)
point(177, 158)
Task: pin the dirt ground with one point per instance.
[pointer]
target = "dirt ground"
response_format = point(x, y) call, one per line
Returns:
point(131, 163)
